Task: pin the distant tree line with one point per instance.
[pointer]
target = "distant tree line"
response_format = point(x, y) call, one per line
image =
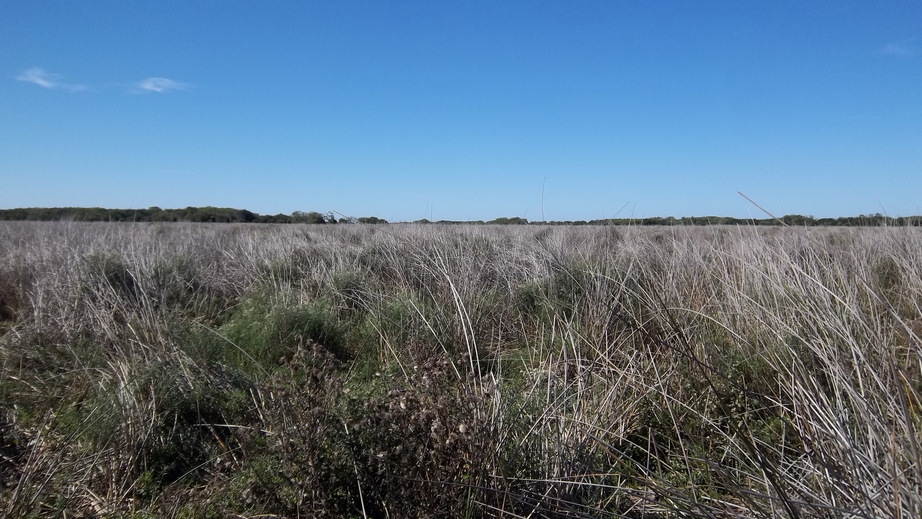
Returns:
point(229, 215)
point(794, 220)
point(189, 214)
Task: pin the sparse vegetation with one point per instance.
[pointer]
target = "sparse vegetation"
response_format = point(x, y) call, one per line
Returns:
point(202, 370)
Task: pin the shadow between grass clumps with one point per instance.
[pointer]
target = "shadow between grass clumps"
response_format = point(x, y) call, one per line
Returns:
point(14, 286)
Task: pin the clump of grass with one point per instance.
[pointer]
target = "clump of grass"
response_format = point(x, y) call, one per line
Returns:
point(109, 271)
point(261, 334)
point(352, 292)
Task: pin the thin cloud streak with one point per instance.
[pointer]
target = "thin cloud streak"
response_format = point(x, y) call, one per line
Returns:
point(37, 76)
point(901, 50)
point(40, 77)
point(160, 85)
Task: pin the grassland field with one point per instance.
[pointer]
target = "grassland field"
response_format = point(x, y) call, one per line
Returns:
point(243, 371)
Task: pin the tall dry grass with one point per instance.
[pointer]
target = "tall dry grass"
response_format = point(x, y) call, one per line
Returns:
point(183, 370)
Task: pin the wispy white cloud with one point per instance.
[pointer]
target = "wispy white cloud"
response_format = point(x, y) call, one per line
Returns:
point(160, 85)
point(40, 77)
point(900, 49)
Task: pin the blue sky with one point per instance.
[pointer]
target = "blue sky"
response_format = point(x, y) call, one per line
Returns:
point(464, 110)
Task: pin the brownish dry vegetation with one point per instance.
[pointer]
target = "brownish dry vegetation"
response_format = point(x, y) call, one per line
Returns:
point(199, 371)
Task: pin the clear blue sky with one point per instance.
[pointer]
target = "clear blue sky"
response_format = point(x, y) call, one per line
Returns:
point(464, 110)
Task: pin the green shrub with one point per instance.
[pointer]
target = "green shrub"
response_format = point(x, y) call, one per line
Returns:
point(260, 336)
point(292, 326)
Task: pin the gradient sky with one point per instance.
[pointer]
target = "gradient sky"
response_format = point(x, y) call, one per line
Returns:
point(464, 110)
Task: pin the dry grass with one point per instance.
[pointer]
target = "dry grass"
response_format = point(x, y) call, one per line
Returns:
point(179, 370)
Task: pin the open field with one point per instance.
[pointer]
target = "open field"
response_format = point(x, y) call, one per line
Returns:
point(199, 371)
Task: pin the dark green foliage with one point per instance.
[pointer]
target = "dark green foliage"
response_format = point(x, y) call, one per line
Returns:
point(191, 427)
point(311, 217)
point(155, 214)
point(11, 448)
point(177, 441)
point(371, 220)
point(260, 336)
point(14, 287)
point(317, 323)
point(529, 300)
point(113, 272)
point(50, 372)
point(509, 221)
point(304, 465)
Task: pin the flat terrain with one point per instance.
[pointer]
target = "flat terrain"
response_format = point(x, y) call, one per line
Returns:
point(244, 370)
